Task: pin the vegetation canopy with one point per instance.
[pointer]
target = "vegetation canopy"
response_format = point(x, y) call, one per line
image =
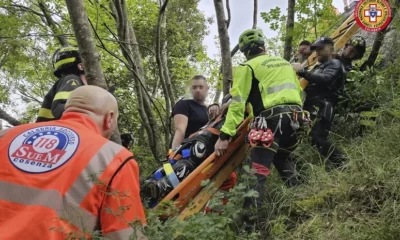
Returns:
point(149, 49)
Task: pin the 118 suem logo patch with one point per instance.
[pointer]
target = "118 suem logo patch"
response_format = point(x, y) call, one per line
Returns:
point(43, 149)
point(373, 15)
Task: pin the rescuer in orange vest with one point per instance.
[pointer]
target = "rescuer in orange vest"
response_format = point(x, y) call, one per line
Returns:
point(64, 178)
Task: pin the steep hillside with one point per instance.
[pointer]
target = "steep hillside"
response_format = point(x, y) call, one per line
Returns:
point(359, 202)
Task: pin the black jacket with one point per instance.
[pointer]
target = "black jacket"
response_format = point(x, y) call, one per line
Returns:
point(326, 81)
point(54, 101)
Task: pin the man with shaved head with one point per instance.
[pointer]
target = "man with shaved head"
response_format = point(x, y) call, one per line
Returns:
point(65, 178)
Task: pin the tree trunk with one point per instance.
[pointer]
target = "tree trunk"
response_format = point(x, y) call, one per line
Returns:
point(217, 96)
point(315, 20)
point(87, 48)
point(218, 88)
point(5, 116)
point(289, 30)
point(131, 52)
point(50, 22)
point(225, 48)
point(164, 61)
point(161, 67)
point(236, 48)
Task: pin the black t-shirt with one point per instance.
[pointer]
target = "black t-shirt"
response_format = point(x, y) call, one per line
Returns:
point(197, 115)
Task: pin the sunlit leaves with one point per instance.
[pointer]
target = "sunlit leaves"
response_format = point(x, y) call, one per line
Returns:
point(273, 17)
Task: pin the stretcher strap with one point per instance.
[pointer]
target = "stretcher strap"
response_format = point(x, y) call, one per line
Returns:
point(169, 172)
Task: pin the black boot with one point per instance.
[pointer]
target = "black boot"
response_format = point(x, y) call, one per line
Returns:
point(336, 161)
point(156, 189)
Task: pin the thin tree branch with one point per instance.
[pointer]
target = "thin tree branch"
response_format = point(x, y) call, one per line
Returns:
point(73, 36)
point(8, 118)
point(50, 22)
point(104, 7)
point(255, 10)
point(23, 9)
point(228, 10)
point(24, 94)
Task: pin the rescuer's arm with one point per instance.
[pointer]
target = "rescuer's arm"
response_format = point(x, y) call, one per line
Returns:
point(181, 116)
point(240, 92)
point(122, 205)
point(64, 89)
point(325, 78)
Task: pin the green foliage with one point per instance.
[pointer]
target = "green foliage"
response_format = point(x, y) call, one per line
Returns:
point(209, 226)
point(274, 18)
point(357, 203)
point(312, 19)
point(27, 44)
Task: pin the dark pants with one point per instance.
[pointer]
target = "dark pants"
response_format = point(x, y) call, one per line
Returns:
point(285, 141)
point(322, 123)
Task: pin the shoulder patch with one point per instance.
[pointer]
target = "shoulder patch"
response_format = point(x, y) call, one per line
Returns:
point(73, 82)
point(43, 149)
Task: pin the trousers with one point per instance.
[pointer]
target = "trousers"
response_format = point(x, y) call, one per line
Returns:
point(322, 114)
point(285, 141)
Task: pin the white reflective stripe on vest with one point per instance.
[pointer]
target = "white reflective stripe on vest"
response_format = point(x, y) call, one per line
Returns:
point(66, 207)
point(278, 88)
point(82, 185)
point(237, 99)
point(120, 234)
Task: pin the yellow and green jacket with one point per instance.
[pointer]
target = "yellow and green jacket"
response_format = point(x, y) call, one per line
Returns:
point(263, 82)
point(54, 101)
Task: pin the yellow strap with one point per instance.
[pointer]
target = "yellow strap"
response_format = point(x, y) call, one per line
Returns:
point(46, 113)
point(61, 95)
point(64, 61)
point(168, 168)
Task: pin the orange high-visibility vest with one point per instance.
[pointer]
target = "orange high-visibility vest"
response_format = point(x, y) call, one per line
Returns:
point(62, 177)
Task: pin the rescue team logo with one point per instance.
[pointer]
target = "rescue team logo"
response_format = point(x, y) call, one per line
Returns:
point(373, 16)
point(43, 149)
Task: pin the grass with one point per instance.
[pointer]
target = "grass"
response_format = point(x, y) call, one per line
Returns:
point(360, 202)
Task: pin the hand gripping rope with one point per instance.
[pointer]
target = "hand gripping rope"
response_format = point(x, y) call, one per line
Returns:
point(260, 134)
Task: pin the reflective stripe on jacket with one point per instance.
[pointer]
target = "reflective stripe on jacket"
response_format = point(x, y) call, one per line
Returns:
point(54, 101)
point(63, 177)
point(263, 82)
